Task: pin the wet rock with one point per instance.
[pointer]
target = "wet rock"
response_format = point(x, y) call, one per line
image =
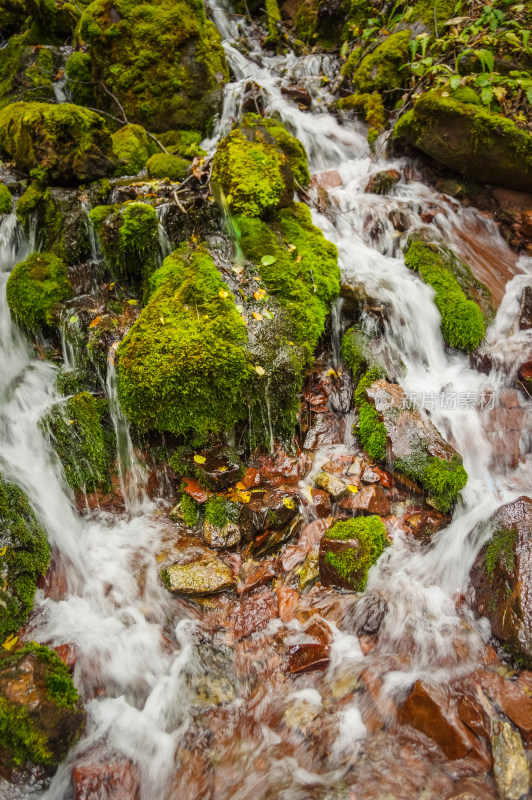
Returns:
point(319, 630)
point(194, 490)
point(330, 179)
point(525, 312)
point(422, 522)
point(221, 537)
point(272, 538)
point(348, 550)
point(369, 614)
point(251, 478)
point(112, 780)
point(220, 469)
point(383, 182)
point(501, 578)
point(322, 503)
point(333, 485)
point(510, 764)
point(429, 709)
point(197, 572)
point(279, 468)
point(255, 574)
point(288, 599)
point(512, 697)
point(297, 93)
point(369, 500)
point(370, 475)
point(308, 657)
point(267, 511)
point(309, 571)
point(254, 614)
point(504, 427)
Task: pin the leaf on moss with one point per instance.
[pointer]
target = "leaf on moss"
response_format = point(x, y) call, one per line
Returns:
point(222, 293)
point(267, 261)
point(10, 642)
point(260, 371)
point(95, 322)
point(200, 459)
point(260, 294)
point(257, 315)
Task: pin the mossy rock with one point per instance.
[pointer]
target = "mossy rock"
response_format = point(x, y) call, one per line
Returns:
point(183, 143)
point(44, 22)
point(25, 558)
point(35, 289)
point(6, 201)
point(163, 60)
point(381, 70)
point(67, 143)
point(132, 147)
point(41, 730)
point(257, 164)
point(463, 325)
point(478, 144)
point(182, 367)
point(129, 239)
point(348, 550)
point(368, 105)
point(162, 165)
point(26, 71)
point(83, 440)
point(78, 70)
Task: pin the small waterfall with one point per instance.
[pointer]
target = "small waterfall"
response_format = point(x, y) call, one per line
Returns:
point(61, 88)
point(165, 245)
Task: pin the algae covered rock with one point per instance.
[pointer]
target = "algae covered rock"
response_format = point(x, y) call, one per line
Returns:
point(257, 164)
point(196, 572)
point(35, 289)
point(161, 165)
point(132, 147)
point(480, 145)
point(348, 550)
point(68, 143)
point(162, 60)
point(6, 201)
point(41, 715)
point(510, 764)
point(381, 70)
point(25, 557)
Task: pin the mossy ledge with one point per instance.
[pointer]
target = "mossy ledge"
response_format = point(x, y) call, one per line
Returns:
point(35, 289)
point(366, 537)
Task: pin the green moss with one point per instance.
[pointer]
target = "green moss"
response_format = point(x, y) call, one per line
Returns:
point(161, 165)
point(6, 201)
point(354, 563)
point(183, 143)
point(462, 323)
point(70, 381)
point(182, 367)
point(133, 148)
point(24, 561)
point(83, 441)
point(190, 510)
point(273, 16)
point(501, 549)
point(25, 70)
point(443, 480)
point(163, 60)
point(68, 143)
point(466, 94)
point(255, 166)
point(59, 687)
point(370, 430)
point(306, 20)
point(356, 352)
point(78, 70)
point(368, 105)
point(35, 288)
point(380, 70)
point(20, 738)
point(216, 511)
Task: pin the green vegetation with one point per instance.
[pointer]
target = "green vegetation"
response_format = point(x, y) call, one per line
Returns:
point(25, 557)
point(183, 143)
point(369, 106)
point(501, 549)
point(353, 564)
point(79, 73)
point(219, 511)
point(83, 440)
point(35, 289)
point(163, 61)
point(6, 201)
point(67, 143)
point(443, 480)
point(161, 165)
point(371, 431)
point(462, 323)
point(381, 70)
point(133, 148)
point(256, 165)
point(189, 510)
point(182, 367)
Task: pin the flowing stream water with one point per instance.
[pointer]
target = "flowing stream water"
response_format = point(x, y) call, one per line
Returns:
point(134, 676)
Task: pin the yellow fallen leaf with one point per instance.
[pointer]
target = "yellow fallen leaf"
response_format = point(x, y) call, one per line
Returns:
point(299, 258)
point(288, 502)
point(94, 322)
point(70, 422)
point(3, 551)
point(353, 488)
point(291, 247)
point(257, 315)
point(260, 294)
point(238, 270)
point(332, 372)
point(222, 293)
point(200, 459)
point(240, 486)
point(260, 370)
point(245, 496)
point(132, 302)
point(222, 469)
point(10, 642)
point(112, 285)
point(162, 320)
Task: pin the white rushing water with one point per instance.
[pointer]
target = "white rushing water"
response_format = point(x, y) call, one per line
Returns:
point(112, 606)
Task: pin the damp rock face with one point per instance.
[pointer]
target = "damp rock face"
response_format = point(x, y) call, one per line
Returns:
point(510, 764)
point(196, 572)
point(502, 579)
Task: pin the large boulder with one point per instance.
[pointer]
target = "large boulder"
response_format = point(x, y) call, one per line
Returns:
point(68, 144)
point(35, 290)
point(197, 571)
point(162, 60)
point(502, 579)
point(480, 145)
point(348, 550)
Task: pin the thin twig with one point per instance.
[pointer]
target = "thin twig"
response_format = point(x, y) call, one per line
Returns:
point(179, 205)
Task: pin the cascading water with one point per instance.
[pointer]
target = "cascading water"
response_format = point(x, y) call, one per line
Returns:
point(138, 653)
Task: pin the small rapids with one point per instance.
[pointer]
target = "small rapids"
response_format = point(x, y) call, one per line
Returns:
point(141, 655)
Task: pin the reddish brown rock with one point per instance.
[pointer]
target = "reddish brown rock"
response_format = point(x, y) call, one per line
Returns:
point(383, 182)
point(279, 468)
point(297, 93)
point(288, 599)
point(270, 510)
point(422, 522)
point(330, 179)
point(319, 630)
point(251, 478)
point(308, 657)
point(115, 780)
point(68, 654)
point(511, 697)
point(369, 500)
point(322, 503)
point(504, 427)
point(254, 614)
point(255, 575)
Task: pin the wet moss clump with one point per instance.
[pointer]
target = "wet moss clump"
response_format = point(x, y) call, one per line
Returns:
point(353, 564)
point(67, 143)
point(369, 106)
point(162, 165)
point(501, 549)
point(6, 201)
point(462, 323)
point(36, 288)
point(83, 441)
point(190, 510)
point(370, 430)
point(219, 511)
point(133, 147)
point(182, 367)
point(79, 73)
point(24, 558)
point(257, 165)
point(183, 143)
point(443, 480)
point(381, 70)
point(162, 59)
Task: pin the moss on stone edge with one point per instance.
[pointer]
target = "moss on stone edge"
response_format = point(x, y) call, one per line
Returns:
point(219, 511)
point(370, 430)
point(162, 165)
point(6, 201)
point(501, 548)
point(462, 323)
point(190, 511)
point(370, 535)
point(35, 288)
point(25, 560)
point(381, 70)
point(133, 147)
point(369, 106)
point(256, 164)
point(83, 442)
point(182, 367)
point(68, 143)
point(443, 480)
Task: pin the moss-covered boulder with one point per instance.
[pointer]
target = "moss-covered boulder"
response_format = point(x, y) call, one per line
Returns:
point(43, 21)
point(460, 298)
point(348, 550)
point(24, 558)
point(257, 164)
point(163, 61)
point(367, 105)
point(36, 288)
point(41, 715)
point(83, 440)
point(162, 165)
point(78, 71)
point(132, 147)
point(25, 71)
point(68, 144)
point(381, 70)
point(6, 201)
point(480, 145)
point(182, 367)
